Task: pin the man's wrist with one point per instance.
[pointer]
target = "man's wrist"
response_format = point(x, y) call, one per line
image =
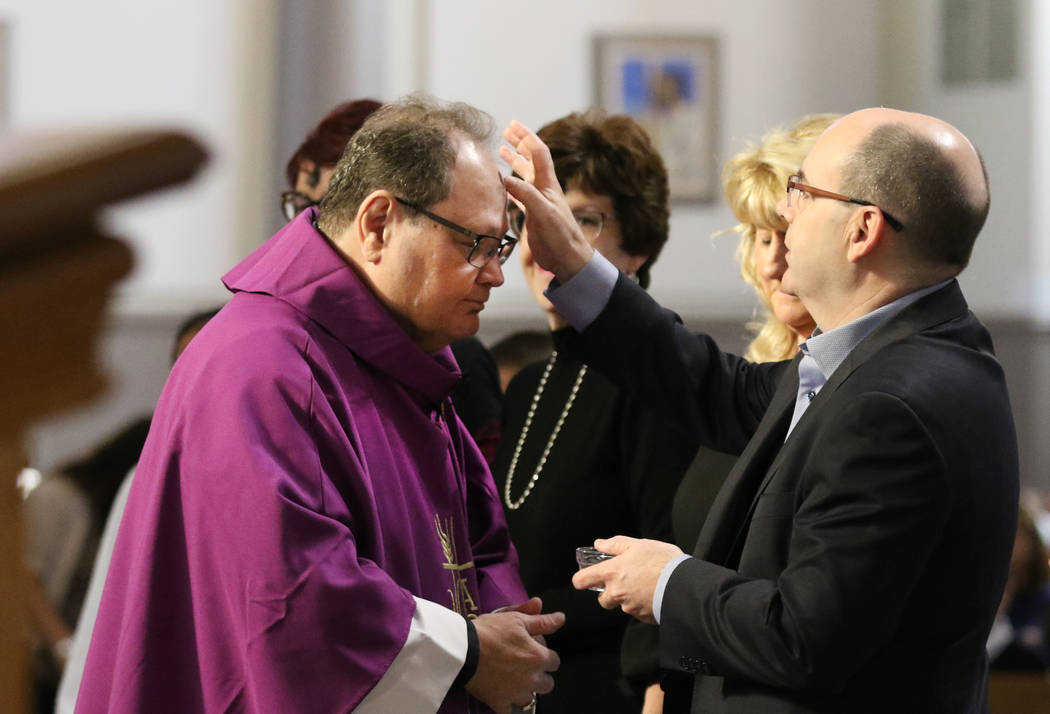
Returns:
point(568, 269)
point(582, 298)
point(473, 658)
point(661, 584)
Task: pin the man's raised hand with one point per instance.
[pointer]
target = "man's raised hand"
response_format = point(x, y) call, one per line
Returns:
point(556, 242)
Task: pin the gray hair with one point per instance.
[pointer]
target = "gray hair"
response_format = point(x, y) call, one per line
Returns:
point(407, 147)
point(909, 176)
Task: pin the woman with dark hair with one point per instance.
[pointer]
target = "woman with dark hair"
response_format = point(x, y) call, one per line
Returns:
point(578, 458)
point(310, 168)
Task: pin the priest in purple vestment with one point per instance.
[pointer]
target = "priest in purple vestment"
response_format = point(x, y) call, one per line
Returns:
point(311, 529)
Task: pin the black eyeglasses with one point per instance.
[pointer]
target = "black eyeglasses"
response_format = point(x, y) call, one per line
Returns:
point(293, 203)
point(796, 185)
point(485, 247)
point(590, 222)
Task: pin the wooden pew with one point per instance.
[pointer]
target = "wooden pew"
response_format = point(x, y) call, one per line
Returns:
point(57, 268)
point(1018, 693)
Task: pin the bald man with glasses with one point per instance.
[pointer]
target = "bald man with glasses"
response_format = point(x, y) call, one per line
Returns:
point(854, 559)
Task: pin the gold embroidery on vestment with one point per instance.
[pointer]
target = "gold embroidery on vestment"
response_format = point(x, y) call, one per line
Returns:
point(462, 601)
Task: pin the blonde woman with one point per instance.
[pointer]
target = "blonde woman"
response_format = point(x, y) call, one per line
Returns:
point(753, 182)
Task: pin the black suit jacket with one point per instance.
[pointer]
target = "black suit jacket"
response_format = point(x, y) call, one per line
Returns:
point(856, 566)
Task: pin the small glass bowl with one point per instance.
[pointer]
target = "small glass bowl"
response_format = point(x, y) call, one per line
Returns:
point(587, 556)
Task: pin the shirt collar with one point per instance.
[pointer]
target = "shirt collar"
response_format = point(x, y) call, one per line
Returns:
point(829, 349)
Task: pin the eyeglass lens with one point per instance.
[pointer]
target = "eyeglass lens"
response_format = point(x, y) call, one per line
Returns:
point(293, 203)
point(590, 222)
point(488, 248)
point(516, 218)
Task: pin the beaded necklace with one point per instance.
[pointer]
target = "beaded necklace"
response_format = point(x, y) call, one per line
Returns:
point(515, 504)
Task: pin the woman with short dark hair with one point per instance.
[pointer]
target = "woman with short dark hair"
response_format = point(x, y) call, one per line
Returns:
point(578, 458)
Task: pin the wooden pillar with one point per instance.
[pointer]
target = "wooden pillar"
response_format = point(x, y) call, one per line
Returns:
point(56, 272)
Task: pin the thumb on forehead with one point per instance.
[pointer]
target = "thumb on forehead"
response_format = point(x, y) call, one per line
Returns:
point(522, 192)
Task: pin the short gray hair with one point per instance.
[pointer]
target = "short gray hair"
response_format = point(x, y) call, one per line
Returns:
point(909, 176)
point(407, 147)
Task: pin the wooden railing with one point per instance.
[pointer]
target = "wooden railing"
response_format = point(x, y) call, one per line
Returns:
point(1018, 693)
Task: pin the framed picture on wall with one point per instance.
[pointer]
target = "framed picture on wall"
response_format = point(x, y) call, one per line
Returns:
point(669, 84)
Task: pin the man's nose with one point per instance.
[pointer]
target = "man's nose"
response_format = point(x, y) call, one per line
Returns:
point(491, 274)
point(783, 209)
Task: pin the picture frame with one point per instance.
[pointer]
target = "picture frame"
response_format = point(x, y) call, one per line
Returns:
point(669, 85)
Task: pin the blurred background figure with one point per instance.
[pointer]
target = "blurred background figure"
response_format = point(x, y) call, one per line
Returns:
point(66, 513)
point(1020, 638)
point(578, 458)
point(98, 563)
point(753, 181)
point(310, 168)
point(1038, 505)
point(517, 350)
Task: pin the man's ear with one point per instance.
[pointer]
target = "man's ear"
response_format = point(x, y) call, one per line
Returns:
point(374, 220)
point(866, 231)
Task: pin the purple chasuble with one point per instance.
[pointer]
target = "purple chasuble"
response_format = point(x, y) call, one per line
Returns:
point(304, 478)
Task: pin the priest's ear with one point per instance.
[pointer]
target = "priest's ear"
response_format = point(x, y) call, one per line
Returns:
point(375, 217)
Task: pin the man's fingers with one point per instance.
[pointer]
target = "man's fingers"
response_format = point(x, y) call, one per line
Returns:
point(553, 662)
point(532, 606)
point(523, 192)
point(515, 131)
point(589, 577)
point(607, 601)
point(521, 165)
point(531, 147)
point(544, 684)
point(542, 165)
point(615, 545)
point(544, 624)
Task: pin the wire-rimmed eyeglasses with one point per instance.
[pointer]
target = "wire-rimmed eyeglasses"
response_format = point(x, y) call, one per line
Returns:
point(294, 202)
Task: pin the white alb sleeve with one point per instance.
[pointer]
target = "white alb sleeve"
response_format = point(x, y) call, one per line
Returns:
point(420, 676)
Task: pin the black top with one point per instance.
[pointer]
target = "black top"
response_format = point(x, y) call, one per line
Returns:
point(696, 493)
point(613, 470)
point(477, 395)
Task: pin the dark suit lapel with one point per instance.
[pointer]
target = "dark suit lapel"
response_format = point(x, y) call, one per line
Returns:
point(946, 304)
point(731, 504)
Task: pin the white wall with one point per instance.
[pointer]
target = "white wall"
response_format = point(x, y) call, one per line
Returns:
point(196, 65)
point(533, 62)
point(1039, 178)
point(1003, 277)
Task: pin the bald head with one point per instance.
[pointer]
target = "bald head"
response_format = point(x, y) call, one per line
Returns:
point(924, 172)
